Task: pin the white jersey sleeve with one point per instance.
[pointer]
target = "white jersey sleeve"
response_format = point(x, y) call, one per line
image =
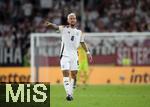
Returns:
point(61, 28)
point(82, 37)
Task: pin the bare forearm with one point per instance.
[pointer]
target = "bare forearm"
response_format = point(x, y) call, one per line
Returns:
point(51, 25)
point(83, 44)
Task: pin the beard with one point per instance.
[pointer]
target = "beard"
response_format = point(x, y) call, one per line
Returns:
point(72, 25)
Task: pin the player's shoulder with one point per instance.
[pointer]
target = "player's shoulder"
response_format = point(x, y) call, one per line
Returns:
point(78, 30)
point(63, 27)
point(66, 26)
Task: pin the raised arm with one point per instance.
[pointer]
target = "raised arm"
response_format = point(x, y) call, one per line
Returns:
point(51, 25)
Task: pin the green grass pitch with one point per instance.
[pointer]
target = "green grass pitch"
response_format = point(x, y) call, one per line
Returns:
point(93, 96)
point(102, 96)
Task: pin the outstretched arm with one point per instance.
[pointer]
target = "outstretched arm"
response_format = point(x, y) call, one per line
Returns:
point(83, 44)
point(51, 25)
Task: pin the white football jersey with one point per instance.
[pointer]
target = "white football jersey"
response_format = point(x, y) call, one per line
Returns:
point(71, 38)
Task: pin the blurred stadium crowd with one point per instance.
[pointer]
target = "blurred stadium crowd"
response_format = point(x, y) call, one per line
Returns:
point(18, 18)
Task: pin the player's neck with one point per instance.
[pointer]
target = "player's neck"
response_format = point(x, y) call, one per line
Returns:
point(72, 26)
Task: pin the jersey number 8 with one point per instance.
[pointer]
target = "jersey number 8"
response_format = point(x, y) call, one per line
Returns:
point(72, 38)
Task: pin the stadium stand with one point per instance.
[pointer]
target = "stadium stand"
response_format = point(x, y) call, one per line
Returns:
point(18, 18)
